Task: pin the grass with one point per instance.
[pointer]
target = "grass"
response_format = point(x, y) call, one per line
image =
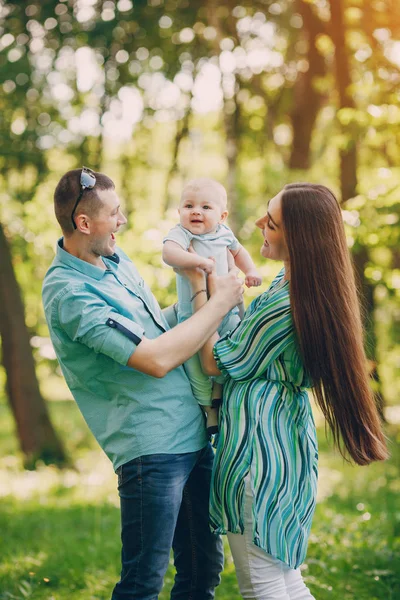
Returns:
point(59, 530)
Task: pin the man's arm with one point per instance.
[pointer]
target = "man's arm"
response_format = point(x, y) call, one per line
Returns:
point(175, 256)
point(158, 356)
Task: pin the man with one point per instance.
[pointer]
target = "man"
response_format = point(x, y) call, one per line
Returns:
point(123, 366)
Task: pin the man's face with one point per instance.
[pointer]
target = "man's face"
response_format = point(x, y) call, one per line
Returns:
point(106, 223)
point(201, 211)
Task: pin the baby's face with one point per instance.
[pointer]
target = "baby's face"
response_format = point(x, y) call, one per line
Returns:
point(201, 211)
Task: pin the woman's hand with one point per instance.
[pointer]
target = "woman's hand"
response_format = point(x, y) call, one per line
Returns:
point(196, 277)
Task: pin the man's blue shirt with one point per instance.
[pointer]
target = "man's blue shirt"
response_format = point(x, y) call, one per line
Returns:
point(96, 320)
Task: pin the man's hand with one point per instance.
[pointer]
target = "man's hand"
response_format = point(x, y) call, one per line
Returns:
point(227, 289)
point(156, 357)
point(253, 278)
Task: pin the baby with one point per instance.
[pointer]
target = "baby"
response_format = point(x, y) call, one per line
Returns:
point(203, 211)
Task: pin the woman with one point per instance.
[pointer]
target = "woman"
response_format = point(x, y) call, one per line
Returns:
point(305, 331)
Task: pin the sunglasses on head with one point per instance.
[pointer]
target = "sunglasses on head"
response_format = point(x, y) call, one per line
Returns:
point(87, 182)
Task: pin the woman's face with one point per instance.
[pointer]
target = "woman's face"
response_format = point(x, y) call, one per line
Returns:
point(274, 246)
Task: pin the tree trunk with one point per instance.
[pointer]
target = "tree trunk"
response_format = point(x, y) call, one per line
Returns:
point(348, 184)
point(348, 155)
point(182, 131)
point(231, 122)
point(90, 153)
point(225, 26)
point(37, 437)
point(307, 100)
point(126, 183)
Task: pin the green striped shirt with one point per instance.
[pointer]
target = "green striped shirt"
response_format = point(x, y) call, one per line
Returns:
point(267, 430)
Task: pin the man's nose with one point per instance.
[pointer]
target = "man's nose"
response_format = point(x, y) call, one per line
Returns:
point(122, 220)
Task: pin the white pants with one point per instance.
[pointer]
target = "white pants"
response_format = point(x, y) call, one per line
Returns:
point(261, 576)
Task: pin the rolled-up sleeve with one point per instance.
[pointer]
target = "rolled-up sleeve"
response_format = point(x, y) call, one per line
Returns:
point(89, 320)
point(258, 340)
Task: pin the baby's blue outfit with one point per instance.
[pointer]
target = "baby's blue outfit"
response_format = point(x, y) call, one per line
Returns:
point(213, 244)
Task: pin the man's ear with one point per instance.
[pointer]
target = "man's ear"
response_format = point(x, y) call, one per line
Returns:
point(224, 216)
point(83, 223)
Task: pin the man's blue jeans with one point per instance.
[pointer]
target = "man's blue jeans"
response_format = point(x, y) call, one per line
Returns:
point(164, 504)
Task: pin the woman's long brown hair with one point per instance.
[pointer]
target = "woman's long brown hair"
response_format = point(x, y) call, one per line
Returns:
point(326, 315)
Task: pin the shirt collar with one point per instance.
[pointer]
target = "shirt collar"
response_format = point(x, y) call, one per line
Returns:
point(203, 235)
point(65, 258)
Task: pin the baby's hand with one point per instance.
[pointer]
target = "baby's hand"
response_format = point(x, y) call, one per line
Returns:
point(206, 264)
point(253, 278)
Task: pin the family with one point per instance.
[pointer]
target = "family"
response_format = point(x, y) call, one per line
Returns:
point(153, 393)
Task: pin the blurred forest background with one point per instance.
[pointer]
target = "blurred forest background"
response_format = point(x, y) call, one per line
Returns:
point(255, 94)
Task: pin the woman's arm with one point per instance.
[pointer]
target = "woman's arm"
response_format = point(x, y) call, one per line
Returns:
point(199, 299)
point(212, 284)
point(198, 284)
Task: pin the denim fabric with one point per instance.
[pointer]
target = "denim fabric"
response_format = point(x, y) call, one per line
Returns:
point(164, 504)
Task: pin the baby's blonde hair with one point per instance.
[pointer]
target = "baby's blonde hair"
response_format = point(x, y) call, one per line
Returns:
point(196, 185)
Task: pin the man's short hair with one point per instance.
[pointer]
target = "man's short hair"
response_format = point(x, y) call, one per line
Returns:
point(67, 192)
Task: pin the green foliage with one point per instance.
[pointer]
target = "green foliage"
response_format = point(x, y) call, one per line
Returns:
point(123, 114)
point(60, 529)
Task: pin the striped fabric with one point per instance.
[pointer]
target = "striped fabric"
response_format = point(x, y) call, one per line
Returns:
point(267, 430)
